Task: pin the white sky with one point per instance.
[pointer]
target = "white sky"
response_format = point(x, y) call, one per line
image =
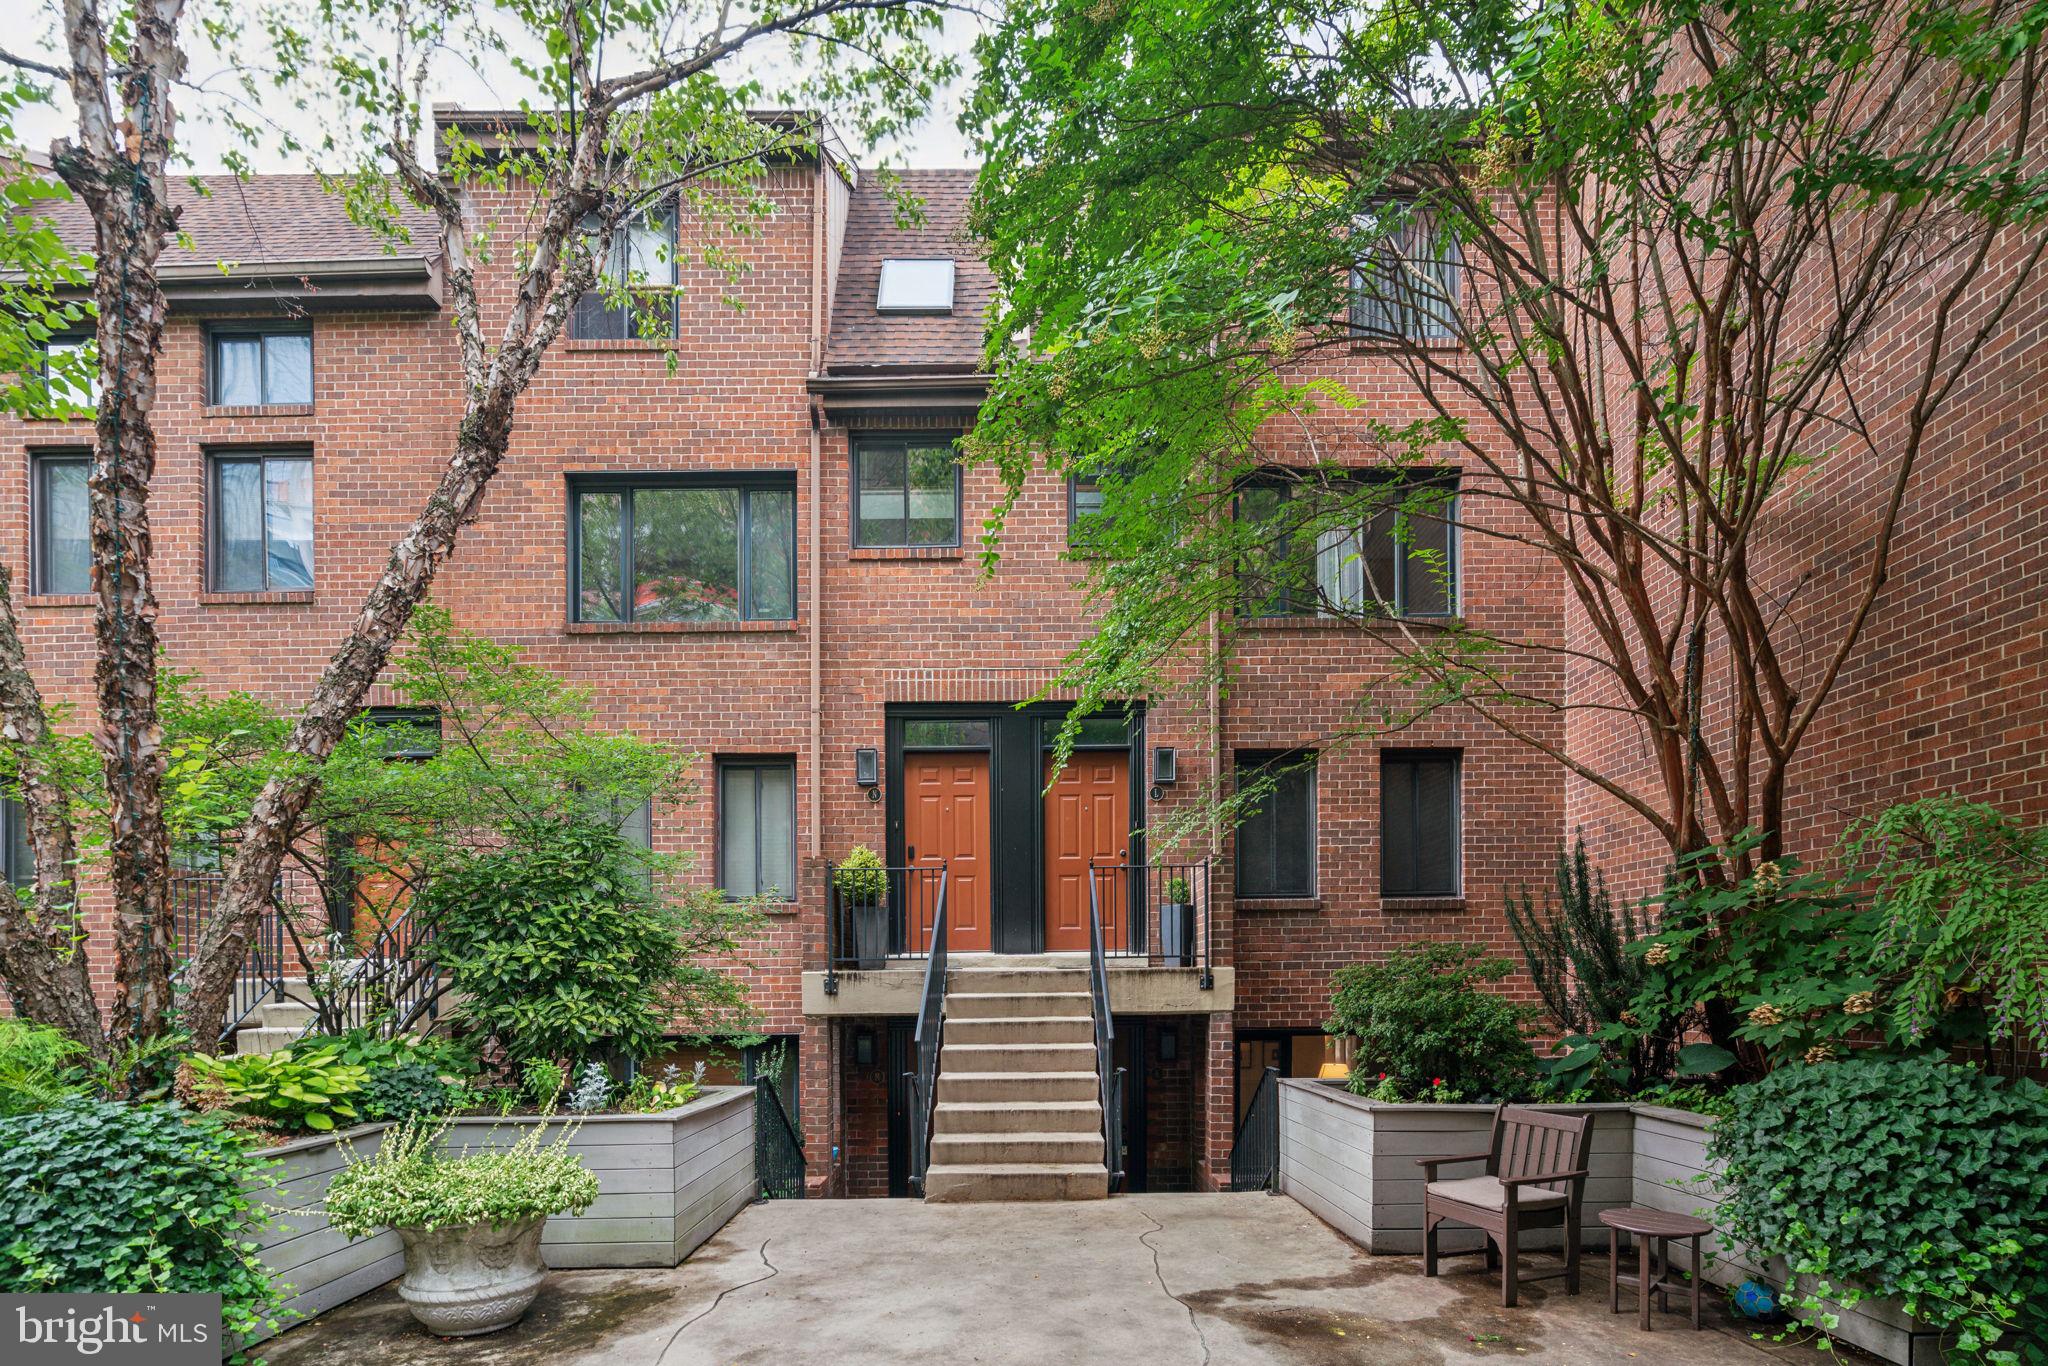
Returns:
point(936, 142)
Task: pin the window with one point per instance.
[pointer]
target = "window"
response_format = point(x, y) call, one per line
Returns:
point(69, 398)
point(757, 828)
point(684, 551)
point(1419, 821)
point(637, 296)
point(1276, 583)
point(1276, 842)
point(1405, 284)
point(405, 732)
point(262, 523)
point(261, 367)
point(919, 734)
point(915, 286)
point(1400, 559)
point(62, 525)
point(17, 856)
point(906, 491)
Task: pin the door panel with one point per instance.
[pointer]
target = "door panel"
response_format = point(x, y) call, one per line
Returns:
point(946, 816)
point(1087, 818)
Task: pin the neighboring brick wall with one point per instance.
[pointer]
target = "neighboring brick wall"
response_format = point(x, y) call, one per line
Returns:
point(864, 1141)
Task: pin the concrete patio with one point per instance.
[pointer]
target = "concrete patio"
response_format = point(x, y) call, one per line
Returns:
point(1196, 1279)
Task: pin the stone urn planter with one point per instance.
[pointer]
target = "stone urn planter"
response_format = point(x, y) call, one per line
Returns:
point(472, 1279)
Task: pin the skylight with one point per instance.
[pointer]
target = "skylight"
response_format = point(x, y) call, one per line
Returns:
point(916, 286)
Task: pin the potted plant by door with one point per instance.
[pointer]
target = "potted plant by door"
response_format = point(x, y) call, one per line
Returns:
point(1176, 923)
point(863, 882)
point(471, 1224)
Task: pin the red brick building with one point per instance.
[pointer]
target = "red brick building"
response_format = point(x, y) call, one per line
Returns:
point(850, 675)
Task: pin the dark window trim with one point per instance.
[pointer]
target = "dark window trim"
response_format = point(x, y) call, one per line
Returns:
point(38, 518)
point(12, 819)
point(1414, 476)
point(1243, 759)
point(746, 482)
point(860, 441)
point(1457, 758)
point(423, 719)
point(613, 264)
point(244, 454)
point(755, 763)
point(217, 332)
point(1432, 327)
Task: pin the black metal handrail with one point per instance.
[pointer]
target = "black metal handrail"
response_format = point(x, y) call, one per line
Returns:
point(1155, 912)
point(391, 986)
point(778, 1147)
point(1255, 1154)
point(1109, 1076)
point(193, 897)
point(867, 931)
point(931, 1022)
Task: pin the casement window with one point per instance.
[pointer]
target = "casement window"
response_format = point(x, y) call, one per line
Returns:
point(757, 828)
point(906, 491)
point(1399, 559)
point(1276, 840)
point(70, 396)
point(1405, 283)
point(683, 550)
point(260, 367)
point(1420, 830)
point(637, 297)
point(17, 856)
point(262, 523)
point(61, 531)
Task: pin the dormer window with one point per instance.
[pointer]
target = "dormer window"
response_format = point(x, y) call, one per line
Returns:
point(916, 286)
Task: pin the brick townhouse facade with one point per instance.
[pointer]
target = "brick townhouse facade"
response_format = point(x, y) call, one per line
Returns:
point(824, 635)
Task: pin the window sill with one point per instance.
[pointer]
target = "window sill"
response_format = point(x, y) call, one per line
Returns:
point(1279, 903)
point(82, 419)
point(257, 410)
point(907, 552)
point(1388, 345)
point(1422, 903)
point(648, 344)
point(1307, 622)
point(58, 600)
point(294, 598)
point(679, 628)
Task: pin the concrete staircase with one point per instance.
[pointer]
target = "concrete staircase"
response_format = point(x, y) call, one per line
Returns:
point(276, 1024)
point(1018, 1114)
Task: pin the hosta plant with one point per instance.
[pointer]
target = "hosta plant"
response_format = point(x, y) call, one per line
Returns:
point(410, 1183)
point(306, 1086)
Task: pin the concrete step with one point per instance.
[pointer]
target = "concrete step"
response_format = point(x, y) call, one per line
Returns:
point(1010, 1057)
point(1008, 981)
point(993, 1005)
point(1035, 1149)
point(284, 1015)
point(263, 1040)
point(1022, 1029)
point(1018, 1117)
point(969, 1181)
point(985, 1087)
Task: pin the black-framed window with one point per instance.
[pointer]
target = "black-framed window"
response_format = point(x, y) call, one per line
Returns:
point(1276, 840)
point(68, 399)
point(1398, 558)
point(906, 490)
point(757, 828)
point(17, 855)
point(406, 732)
point(1406, 282)
point(637, 297)
point(261, 527)
point(697, 550)
point(1420, 830)
point(61, 532)
point(259, 367)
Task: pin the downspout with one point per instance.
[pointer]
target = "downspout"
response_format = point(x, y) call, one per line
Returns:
point(820, 187)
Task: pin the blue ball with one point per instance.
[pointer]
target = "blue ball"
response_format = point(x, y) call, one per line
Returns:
point(1755, 1300)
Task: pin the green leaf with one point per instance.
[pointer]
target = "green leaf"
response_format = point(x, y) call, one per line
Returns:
point(1703, 1059)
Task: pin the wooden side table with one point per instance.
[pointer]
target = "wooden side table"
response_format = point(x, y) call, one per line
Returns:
point(1653, 1230)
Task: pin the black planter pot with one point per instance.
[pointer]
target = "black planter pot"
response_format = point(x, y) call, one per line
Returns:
point(871, 934)
point(1176, 934)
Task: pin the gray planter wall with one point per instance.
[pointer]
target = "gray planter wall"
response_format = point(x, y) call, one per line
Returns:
point(1352, 1162)
point(666, 1183)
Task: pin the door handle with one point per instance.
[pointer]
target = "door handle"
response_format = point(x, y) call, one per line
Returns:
point(910, 854)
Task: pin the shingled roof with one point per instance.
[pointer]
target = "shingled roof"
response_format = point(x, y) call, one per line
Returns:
point(265, 220)
point(864, 340)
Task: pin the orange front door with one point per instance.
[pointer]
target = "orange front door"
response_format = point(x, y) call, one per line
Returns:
point(946, 816)
point(1087, 820)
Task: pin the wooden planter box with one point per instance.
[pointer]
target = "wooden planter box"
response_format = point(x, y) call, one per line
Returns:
point(1352, 1162)
point(666, 1183)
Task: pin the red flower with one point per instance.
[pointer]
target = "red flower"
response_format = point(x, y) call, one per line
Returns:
point(1436, 1081)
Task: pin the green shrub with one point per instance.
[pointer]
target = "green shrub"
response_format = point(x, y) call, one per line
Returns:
point(862, 876)
point(306, 1086)
point(409, 1090)
point(1425, 1019)
point(39, 1067)
point(409, 1183)
point(371, 1050)
point(98, 1196)
point(1904, 1178)
point(563, 949)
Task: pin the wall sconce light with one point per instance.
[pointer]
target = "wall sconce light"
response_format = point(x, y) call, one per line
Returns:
point(1165, 770)
point(1169, 1043)
point(867, 771)
point(864, 1048)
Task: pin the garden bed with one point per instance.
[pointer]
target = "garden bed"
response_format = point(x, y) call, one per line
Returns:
point(1351, 1161)
point(666, 1183)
